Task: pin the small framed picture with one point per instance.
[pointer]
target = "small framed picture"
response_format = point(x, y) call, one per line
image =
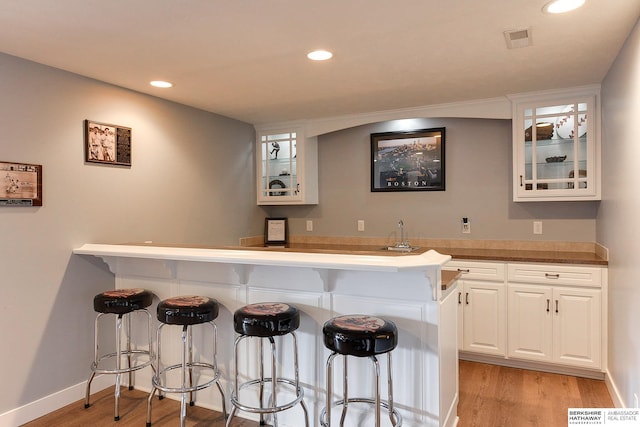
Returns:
point(106, 143)
point(408, 161)
point(276, 231)
point(21, 184)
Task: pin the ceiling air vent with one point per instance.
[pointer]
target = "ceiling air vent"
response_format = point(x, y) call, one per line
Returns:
point(518, 38)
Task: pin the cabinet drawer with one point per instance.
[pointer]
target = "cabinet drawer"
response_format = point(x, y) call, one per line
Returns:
point(551, 274)
point(476, 270)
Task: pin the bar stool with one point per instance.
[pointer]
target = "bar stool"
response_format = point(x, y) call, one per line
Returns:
point(122, 303)
point(360, 336)
point(186, 311)
point(267, 320)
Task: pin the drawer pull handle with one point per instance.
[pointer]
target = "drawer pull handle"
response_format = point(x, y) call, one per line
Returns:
point(548, 301)
point(463, 270)
point(520, 180)
point(556, 306)
point(459, 297)
point(552, 276)
point(466, 298)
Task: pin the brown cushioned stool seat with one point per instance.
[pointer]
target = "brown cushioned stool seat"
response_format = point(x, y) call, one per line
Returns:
point(265, 321)
point(359, 335)
point(122, 303)
point(187, 312)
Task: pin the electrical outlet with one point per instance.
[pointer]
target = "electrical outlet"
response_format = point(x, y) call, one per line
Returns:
point(309, 225)
point(466, 225)
point(537, 227)
point(361, 225)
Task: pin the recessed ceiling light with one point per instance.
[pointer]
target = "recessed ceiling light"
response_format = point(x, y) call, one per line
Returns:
point(562, 6)
point(319, 55)
point(160, 83)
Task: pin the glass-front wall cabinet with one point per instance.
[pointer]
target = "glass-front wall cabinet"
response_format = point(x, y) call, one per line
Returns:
point(286, 162)
point(556, 146)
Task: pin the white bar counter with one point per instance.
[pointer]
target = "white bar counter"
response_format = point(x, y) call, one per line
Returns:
point(403, 287)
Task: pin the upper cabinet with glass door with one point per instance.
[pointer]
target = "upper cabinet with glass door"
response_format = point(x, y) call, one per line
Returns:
point(287, 168)
point(556, 146)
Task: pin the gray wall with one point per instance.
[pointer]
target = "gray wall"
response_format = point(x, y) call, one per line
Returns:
point(478, 186)
point(188, 183)
point(618, 214)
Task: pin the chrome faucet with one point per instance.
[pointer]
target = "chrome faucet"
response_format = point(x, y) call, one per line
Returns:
point(403, 243)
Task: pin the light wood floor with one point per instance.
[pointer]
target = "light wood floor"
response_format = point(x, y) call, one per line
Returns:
point(497, 396)
point(490, 396)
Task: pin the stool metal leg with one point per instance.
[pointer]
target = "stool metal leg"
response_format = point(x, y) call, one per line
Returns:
point(392, 416)
point(183, 373)
point(274, 381)
point(376, 369)
point(94, 365)
point(345, 390)
point(116, 415)
point(297, 376)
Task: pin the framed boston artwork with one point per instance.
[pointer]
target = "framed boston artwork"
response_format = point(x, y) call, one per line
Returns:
point(408, 161)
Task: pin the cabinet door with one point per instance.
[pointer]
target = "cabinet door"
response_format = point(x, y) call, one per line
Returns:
point(577, 327)
point(287, 168)
point(484, 317)
point(556, 147)
point(530, 322)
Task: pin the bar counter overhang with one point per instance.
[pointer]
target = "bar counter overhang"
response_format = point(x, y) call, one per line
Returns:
point(403, 287)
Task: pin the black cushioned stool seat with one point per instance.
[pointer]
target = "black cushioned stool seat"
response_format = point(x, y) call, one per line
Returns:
point(122, 303)
point(360, 336)
point(265, 321)
point(187, 312)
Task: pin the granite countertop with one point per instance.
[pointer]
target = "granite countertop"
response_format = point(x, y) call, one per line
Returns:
point(479, 254)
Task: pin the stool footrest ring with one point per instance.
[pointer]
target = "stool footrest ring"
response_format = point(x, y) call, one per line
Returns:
point(166, 389)
point(95, 367)
point(384, 404)
point(268, 410)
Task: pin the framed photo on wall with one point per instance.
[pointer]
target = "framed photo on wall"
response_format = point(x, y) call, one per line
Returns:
point(21, 184)
point(408, 161)
point(276, 231)
point(106, 143)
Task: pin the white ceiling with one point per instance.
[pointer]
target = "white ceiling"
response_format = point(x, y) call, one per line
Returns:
point(246, 59)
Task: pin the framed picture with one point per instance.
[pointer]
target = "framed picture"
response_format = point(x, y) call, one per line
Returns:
point(106, 143)
point(21, 184)
point(408, 161)
point(276, 231)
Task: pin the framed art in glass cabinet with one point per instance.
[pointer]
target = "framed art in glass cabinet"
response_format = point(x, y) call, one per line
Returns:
point(556, 145)
point(287, 168)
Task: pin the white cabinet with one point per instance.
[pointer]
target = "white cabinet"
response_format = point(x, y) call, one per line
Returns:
point(556, 145)
point(481, 306)
point(287, 167)
point(555, 314)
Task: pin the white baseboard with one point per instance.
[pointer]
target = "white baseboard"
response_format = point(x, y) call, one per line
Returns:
point(36, 409)
point(613, 391)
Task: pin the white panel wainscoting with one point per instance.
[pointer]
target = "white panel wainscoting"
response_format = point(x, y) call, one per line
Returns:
point(404, 289)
